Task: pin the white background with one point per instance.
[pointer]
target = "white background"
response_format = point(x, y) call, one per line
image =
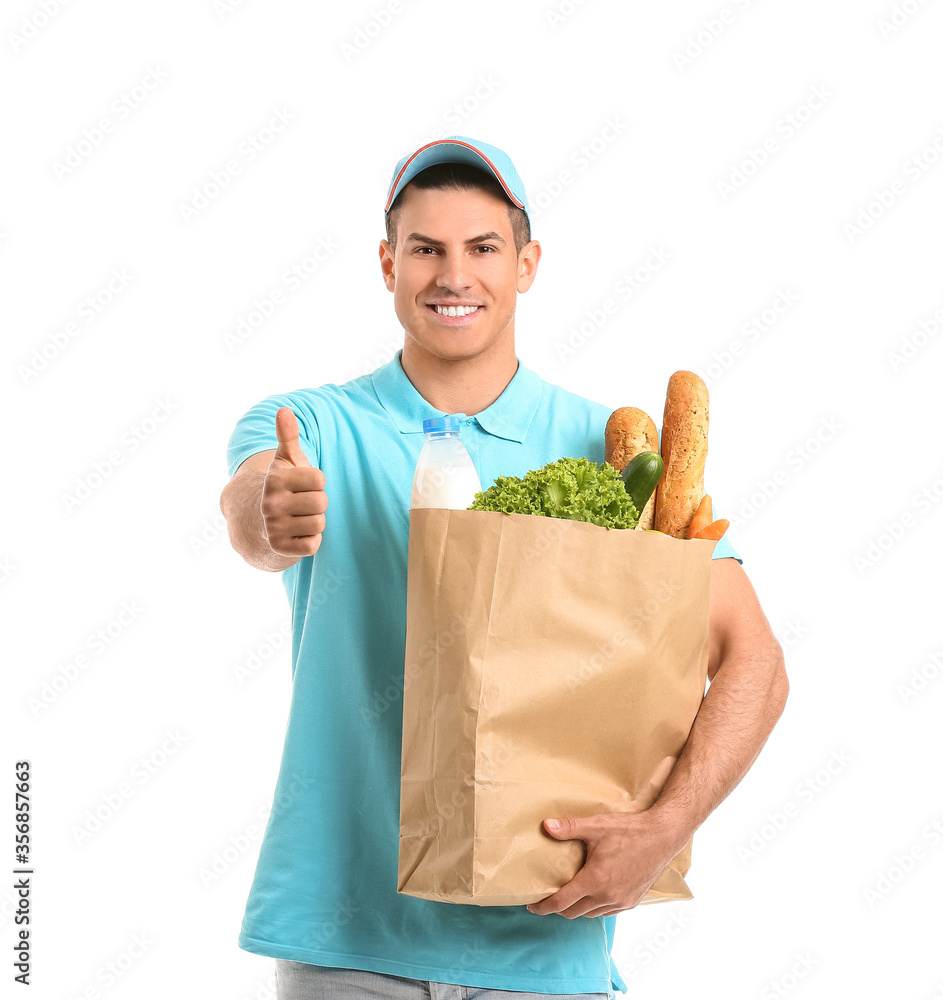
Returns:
point(819, 876)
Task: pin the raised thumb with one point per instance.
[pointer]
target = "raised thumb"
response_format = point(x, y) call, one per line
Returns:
point(286, 431)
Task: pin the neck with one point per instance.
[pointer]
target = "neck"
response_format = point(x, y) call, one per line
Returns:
point(462, 385)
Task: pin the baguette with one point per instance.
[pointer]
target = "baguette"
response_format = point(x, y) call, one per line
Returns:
point(684, 450)
point(630, 431)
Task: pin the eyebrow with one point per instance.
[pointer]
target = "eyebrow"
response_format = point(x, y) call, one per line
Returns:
point(481, 238)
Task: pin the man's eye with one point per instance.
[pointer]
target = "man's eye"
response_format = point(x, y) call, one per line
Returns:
point(420, 249)
point(483, 247)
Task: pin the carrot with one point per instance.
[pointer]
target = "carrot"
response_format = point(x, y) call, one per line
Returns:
point(714, 531)
point(702, 517)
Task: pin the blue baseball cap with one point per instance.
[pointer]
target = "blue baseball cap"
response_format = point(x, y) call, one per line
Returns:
point(460, 149)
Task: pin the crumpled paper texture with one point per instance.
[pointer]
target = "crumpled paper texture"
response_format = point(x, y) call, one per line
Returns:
point(553, 668)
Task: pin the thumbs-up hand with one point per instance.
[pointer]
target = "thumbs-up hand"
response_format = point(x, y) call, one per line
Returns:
point(293, 497)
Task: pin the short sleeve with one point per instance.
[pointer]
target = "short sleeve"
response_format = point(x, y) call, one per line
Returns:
point(255, 429)
point(724, 550)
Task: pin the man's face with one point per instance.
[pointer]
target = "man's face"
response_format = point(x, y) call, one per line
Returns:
point(456, 248)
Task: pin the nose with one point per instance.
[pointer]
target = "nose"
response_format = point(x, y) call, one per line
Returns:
point(454, 274)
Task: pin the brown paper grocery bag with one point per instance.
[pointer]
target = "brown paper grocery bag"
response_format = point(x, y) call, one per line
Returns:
point(553, 668)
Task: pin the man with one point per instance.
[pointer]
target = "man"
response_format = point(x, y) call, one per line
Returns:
point(323, 901)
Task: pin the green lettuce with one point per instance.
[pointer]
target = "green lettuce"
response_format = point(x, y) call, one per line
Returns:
point(573, 488)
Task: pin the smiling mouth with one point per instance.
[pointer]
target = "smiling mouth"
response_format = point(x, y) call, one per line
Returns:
point(454, 311)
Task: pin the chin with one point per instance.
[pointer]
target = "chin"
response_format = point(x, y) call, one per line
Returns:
point(456, 352)
point(450, 348)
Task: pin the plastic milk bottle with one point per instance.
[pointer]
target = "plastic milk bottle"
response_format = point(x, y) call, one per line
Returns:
point(445, 474)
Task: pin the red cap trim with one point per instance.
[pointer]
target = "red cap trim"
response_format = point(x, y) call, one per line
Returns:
point(451, 142)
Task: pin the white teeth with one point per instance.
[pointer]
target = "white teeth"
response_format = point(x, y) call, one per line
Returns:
point(455, 310)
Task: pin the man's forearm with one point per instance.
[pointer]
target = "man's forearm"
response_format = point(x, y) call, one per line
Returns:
point(240, 503)
point(742, 704)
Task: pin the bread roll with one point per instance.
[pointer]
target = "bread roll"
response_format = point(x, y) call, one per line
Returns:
point(630, 431)
point(684, 450)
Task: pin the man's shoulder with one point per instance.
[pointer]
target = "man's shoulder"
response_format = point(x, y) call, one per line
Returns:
point(355, 390)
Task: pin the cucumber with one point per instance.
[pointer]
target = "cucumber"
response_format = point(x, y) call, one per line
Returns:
point(641, 476)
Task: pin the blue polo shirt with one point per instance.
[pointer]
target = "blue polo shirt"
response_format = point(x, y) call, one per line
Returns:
point(324, 890)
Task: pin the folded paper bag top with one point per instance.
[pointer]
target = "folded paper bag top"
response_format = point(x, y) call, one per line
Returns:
point(553, 668)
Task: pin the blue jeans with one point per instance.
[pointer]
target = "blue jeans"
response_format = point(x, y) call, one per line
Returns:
point(300, 981)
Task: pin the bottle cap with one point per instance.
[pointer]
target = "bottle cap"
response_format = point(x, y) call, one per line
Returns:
point(451, 424)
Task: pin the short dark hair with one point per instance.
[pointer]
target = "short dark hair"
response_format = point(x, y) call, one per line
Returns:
point(459, 177)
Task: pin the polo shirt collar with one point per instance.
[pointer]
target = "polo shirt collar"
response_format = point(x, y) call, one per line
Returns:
point(509, 416)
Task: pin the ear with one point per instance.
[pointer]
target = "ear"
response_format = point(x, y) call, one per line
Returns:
point(527, 262)
point(387, 265)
